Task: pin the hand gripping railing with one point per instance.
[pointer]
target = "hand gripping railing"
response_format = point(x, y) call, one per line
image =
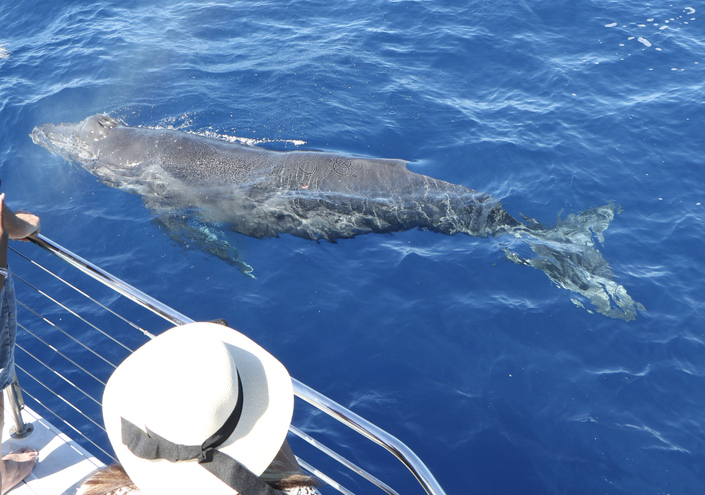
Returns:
point(304, 392)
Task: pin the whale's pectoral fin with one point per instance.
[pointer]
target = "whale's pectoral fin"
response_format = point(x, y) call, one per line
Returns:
point(567, 255)
point(192, 233)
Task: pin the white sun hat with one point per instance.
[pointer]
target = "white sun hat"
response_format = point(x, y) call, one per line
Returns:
point(181, 390)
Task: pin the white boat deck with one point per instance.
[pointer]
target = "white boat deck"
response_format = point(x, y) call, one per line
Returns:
point(63, 464)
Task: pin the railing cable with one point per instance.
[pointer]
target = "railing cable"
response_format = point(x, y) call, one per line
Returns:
point(323, 477)
point(59, 374)
point(62, 398)
point(118, 315)
point(73, 312)
point(52, 412)
point(342, 460)
point(61, 354)
point(65, 333)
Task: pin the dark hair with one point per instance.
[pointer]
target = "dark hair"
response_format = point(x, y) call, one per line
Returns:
point(108, 480)
point(293, 481)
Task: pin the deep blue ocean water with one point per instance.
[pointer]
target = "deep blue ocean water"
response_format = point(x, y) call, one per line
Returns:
point(486, 369)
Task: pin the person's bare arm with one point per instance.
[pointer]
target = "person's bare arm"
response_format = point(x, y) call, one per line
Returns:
point(14, 226)
point(20, 225)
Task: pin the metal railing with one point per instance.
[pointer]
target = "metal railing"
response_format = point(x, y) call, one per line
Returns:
point(307, 394)
point(16, 403)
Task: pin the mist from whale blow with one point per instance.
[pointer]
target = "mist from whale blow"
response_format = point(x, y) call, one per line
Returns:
point(321, 196)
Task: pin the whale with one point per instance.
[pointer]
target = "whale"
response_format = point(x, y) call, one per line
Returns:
point(263, 193)
point(323, 196)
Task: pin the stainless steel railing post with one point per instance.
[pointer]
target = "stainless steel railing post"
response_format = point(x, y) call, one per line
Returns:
point(13, 393)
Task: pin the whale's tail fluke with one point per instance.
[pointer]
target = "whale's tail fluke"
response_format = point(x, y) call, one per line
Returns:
point(567, 254)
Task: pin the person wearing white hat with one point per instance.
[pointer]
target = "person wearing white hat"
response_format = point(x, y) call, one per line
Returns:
point(201, 409)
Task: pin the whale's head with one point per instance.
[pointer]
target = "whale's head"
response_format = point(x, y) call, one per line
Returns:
point(81, 142)
point(113, 152)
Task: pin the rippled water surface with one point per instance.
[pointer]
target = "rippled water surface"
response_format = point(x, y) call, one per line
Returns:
point(498, 380)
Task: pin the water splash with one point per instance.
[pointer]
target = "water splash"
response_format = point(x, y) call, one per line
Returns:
point(568, 256)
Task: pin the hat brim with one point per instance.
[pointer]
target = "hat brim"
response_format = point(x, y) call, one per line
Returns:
point(267, 410)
